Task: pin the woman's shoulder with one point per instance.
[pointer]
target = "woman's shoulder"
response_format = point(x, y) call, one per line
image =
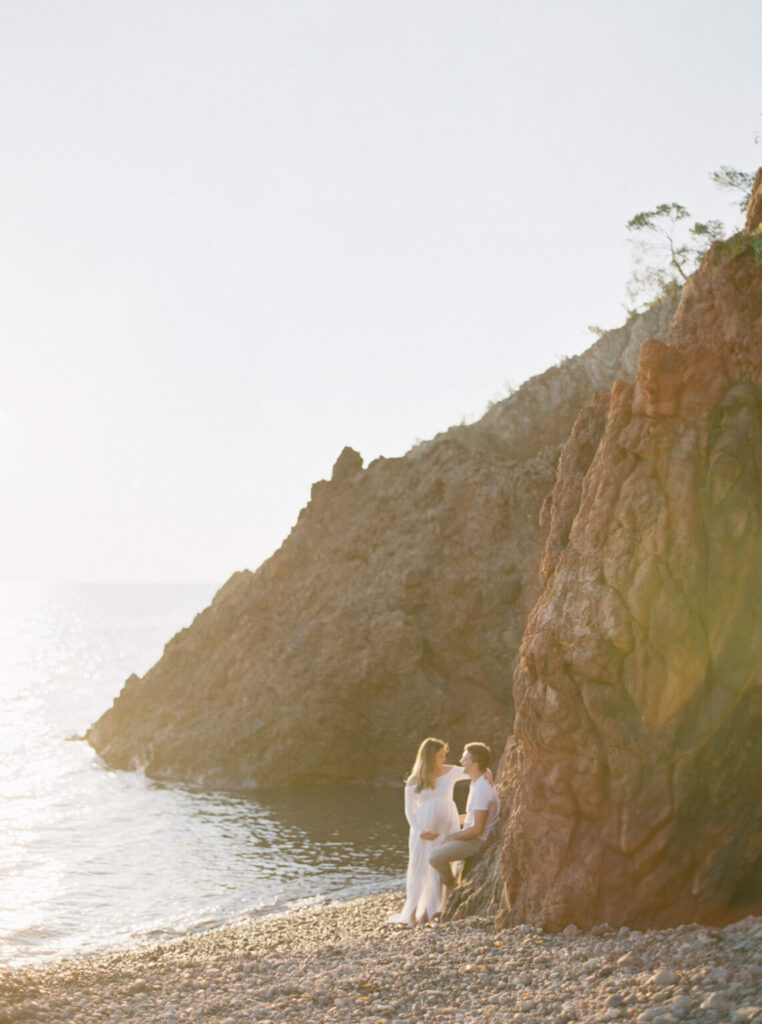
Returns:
point(412, 781)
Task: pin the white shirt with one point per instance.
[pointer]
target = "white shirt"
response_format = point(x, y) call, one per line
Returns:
point(482, 796)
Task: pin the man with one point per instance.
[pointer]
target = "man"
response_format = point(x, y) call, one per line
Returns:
point(482, 812)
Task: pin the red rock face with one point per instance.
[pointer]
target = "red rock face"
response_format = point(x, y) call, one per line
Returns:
point(754, 213)
point(634, 785)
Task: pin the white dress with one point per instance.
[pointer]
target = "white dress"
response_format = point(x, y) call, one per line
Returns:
point(431, 810)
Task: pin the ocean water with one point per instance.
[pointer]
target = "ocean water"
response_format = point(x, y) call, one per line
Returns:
point(92, 858)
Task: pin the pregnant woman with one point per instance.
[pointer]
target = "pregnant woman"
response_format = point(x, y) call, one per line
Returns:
point(432, 815)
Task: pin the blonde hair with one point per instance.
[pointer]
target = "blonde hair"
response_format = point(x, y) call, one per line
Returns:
point(425, 769)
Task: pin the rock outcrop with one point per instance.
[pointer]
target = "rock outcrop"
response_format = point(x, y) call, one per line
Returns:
point(542, 412)
point(633, 783)
point(394, 610)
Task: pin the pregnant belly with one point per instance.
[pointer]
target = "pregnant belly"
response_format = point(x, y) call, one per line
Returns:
point(438, 816)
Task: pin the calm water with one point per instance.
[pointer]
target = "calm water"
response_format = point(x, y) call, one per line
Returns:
point(91, 857)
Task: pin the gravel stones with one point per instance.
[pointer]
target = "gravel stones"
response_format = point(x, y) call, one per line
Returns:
point(341, 963)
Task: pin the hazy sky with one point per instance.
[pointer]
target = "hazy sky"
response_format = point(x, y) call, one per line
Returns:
point(240, 235)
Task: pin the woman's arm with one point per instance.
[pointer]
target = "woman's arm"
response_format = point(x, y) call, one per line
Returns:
point(411, 803)
point(411, 806)
point(462, 774)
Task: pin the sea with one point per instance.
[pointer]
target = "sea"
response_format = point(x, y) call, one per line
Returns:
point(92, 858)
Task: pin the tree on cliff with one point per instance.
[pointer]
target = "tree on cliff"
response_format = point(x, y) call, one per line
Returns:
point(667, 250)
point(734, 180)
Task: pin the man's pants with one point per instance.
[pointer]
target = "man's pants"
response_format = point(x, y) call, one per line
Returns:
point(457, 849)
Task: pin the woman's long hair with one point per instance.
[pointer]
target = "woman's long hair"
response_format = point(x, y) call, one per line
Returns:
point(425, 769)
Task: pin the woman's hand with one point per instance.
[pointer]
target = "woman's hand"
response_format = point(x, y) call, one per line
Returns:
point(429, 835)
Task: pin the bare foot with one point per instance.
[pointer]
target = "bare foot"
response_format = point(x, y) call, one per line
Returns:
point(447, 889)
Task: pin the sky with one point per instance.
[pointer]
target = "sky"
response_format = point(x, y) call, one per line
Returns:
point(238, 236)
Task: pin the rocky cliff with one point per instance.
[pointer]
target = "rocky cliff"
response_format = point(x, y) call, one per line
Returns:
point(394, 609)
point(633, 783)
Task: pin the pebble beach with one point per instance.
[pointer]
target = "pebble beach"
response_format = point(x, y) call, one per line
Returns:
point(342, 962)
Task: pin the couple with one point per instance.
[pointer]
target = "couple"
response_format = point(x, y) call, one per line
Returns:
point(436, 838)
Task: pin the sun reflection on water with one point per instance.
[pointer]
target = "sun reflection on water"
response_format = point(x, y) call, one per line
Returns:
point(91, 857)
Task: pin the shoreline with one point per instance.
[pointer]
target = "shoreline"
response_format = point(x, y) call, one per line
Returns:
point(159, 936)
point(341, 961)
